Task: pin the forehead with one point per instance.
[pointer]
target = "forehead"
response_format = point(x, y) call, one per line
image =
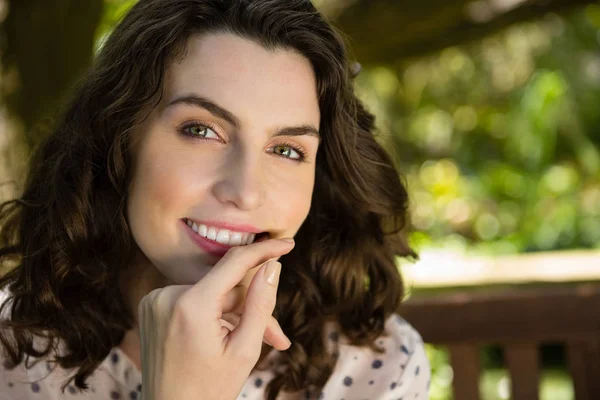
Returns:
point(245, 77)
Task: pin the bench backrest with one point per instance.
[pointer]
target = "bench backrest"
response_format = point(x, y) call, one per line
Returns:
point(519, 321)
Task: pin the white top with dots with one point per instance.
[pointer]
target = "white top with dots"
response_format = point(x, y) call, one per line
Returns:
point(401, 372)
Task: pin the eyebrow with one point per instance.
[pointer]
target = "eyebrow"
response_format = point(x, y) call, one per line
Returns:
point(220, 112)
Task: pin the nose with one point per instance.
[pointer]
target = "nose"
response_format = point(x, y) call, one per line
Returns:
point(241, 182)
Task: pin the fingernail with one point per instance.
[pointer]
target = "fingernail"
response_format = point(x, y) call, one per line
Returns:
point(289, 240)
point(272, 272)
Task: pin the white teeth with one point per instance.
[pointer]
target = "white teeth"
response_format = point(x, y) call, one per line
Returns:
point(222, 236)
point(236, 239)
point(212, 233)
point(245, 239)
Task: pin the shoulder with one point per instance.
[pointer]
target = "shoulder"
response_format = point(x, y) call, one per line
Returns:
point(19, 382)
point(38, 378)
point(401, 371)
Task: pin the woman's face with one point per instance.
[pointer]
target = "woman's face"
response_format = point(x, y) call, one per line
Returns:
point(232, 146)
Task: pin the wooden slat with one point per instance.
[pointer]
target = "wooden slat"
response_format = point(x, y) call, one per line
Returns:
point(437, 272)
point(522, 361)
point(583, 358)
point(577, 367)
point(544, 314)
point(593, 362)
point(466, 367)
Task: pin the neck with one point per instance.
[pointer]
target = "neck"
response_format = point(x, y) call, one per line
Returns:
point(136, 282)
point(131, 347)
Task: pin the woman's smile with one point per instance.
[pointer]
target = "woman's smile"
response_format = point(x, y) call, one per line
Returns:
point(218, 241)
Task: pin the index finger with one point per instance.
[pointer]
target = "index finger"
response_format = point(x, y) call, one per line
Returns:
point(234, 265)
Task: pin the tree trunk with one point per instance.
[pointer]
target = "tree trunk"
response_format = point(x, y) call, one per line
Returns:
point(392, 31)
point(47, 45)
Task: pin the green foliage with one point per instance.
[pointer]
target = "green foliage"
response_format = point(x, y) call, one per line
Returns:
point(114, 10)
point(499, 140)
point(441, 373)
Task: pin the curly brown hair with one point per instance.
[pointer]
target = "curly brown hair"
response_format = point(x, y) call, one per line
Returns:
point(65, 242)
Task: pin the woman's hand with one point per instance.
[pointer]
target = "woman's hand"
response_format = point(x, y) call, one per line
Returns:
point(187, 351)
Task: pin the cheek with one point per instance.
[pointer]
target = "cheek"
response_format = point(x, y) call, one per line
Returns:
point(291, 197)
point(156, 187)
point(160, 188)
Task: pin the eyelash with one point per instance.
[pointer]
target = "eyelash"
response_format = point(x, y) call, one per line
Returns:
point(204, 125)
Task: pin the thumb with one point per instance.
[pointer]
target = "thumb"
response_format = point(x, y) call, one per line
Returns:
point(259, 305)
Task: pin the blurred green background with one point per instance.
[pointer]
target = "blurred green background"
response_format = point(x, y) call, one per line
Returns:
point(490, 108)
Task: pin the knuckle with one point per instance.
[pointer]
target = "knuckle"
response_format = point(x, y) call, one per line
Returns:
point(263, 305)
point(185, 312)
point(149, 299)
point(181, 319)
point(161, 301)
point(158, 304)
point(247, 356)
point(182, 309)
point(234, 251)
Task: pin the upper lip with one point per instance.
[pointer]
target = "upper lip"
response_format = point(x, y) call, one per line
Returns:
point(246, 228)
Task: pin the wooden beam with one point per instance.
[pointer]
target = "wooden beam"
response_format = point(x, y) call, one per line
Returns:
point(440, 269)
point(542, 315)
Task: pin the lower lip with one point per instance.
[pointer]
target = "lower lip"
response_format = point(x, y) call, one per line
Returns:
point(210, 246)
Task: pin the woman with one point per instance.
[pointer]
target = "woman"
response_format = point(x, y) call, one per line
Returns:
point(207, 125)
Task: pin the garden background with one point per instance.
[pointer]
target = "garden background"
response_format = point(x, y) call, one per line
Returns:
point(490, 108)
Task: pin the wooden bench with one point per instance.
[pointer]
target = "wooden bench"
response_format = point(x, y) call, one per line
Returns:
point(519, 320)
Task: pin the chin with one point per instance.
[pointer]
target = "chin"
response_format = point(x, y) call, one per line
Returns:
point(185, 276)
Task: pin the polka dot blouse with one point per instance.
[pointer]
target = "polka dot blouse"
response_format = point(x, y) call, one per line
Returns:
point(400, 372)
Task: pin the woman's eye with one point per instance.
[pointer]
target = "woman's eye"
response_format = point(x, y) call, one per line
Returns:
point(200, 131)
point(288, 152)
